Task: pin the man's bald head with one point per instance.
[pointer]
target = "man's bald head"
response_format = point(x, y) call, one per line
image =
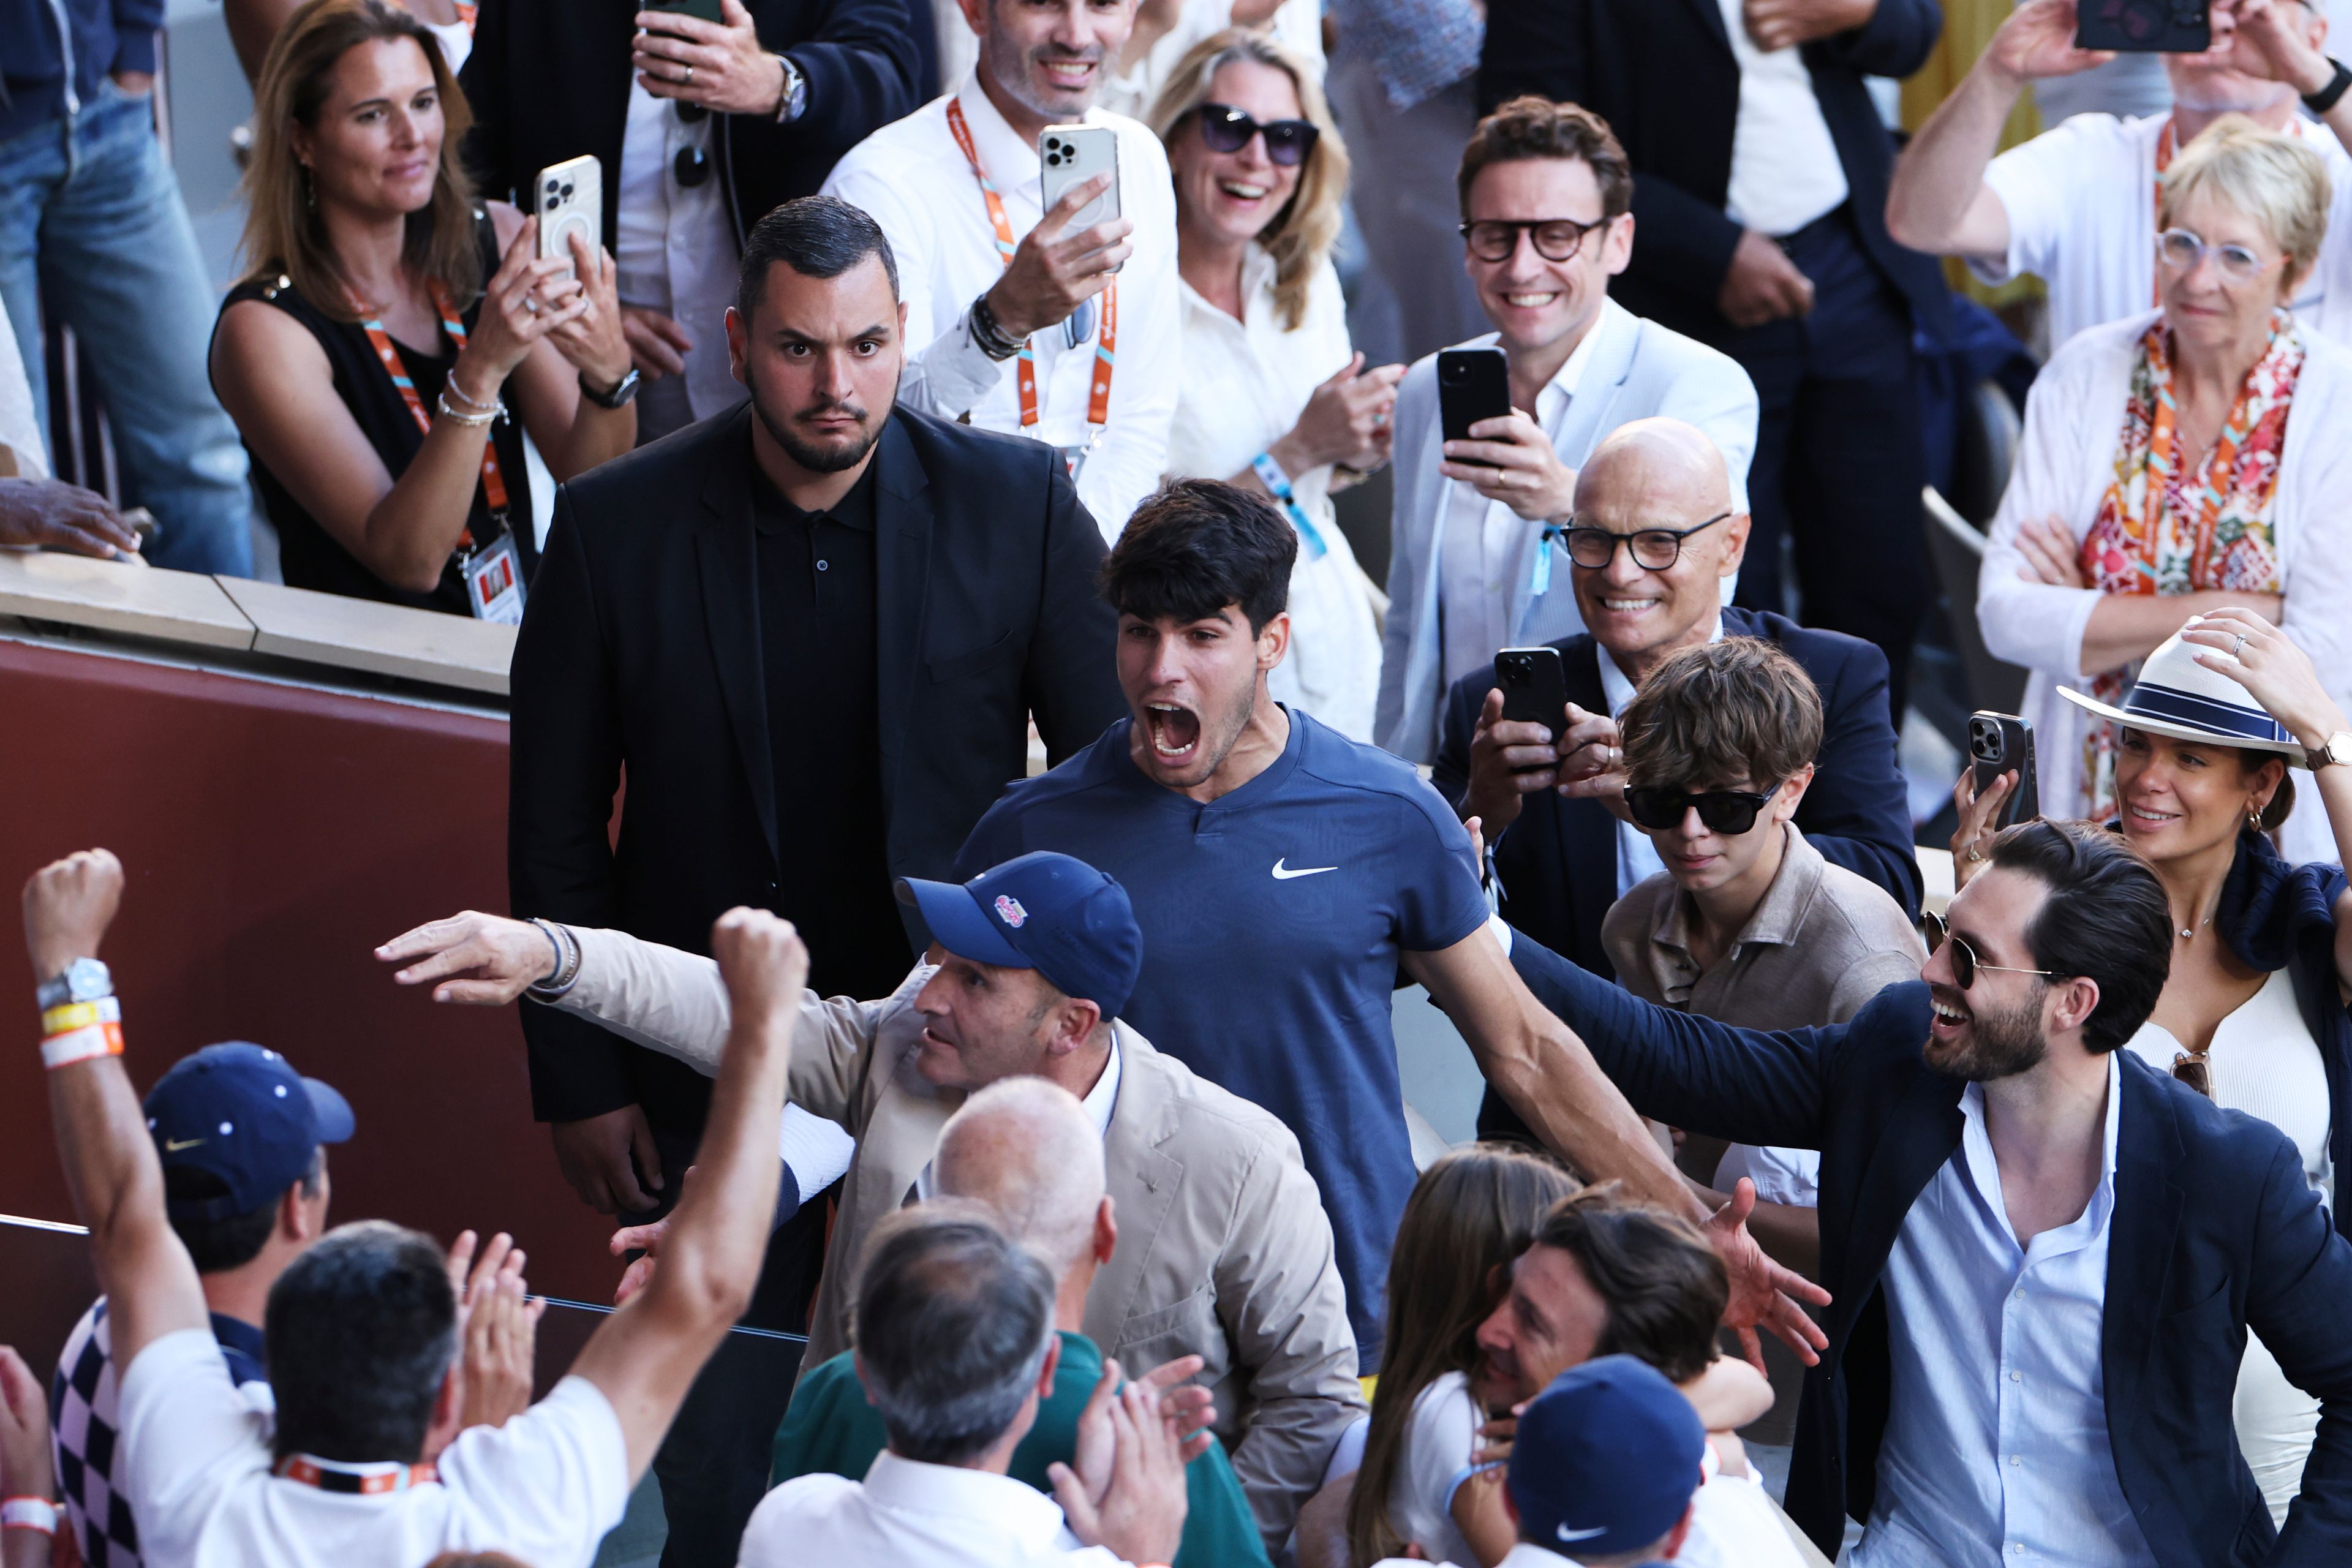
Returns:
point(1656, 475)
point(1027, 1149)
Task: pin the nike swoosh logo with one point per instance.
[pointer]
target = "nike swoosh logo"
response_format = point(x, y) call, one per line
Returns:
point(1284, 874)
point(1567, 1534)
point(173, 1145)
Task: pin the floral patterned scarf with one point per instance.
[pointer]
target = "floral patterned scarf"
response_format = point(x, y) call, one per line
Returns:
point(2163, 528)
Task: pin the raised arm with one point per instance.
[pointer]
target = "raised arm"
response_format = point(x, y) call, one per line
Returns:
point(647, 1354)
point(109, 1161)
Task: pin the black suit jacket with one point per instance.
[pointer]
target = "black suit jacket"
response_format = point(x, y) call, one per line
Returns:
point(1558, 863)
point(548, 79)
point(640, 650)
point(2214, 1231)
point(1661, 73)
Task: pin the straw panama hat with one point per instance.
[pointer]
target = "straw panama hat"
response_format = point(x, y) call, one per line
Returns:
point(2177, 696)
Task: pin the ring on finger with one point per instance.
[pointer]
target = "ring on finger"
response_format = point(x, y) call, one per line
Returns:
point(688, 80)
point(2238, 649)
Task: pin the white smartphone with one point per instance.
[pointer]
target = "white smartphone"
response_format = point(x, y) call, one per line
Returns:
point(569, 199)
point(1072, 154)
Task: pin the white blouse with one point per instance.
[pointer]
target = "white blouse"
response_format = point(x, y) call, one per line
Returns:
point(1246, 383)
point(2064, 462)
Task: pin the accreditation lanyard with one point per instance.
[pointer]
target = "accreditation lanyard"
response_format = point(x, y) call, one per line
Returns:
point(1025, 363)
point(465, 13)
point(494, 484)
point(357, 1481)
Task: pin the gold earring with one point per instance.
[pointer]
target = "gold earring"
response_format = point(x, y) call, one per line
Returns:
point(2254, 819)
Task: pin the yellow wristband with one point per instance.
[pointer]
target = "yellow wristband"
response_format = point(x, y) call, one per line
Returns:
point(70, 1016)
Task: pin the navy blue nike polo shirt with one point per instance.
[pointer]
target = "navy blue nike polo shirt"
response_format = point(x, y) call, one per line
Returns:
point(1271, 919)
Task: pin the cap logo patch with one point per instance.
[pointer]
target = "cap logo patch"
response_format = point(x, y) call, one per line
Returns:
point(1009, 911)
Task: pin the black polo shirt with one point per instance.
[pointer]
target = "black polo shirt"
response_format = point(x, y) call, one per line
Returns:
point(817, 644)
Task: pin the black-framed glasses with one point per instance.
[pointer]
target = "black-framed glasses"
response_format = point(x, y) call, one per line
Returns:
point(1653, 549)
point(2181, 250)
point(1965, 963)
point(1730, 812)
point(1557, 239)
point(1225, 128)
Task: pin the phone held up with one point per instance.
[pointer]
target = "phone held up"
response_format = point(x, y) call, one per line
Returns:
point(707, 10)
point(1472, 384)
point(2145, 27)
point(2000, 743)
point(1534, 690)
point(1072, 154)
point(569, 199)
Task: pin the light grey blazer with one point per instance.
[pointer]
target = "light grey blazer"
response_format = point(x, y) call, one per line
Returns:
point(1637, 368)
point(1224, 1251)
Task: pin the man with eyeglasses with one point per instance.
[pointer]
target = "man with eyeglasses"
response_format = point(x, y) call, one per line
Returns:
point(1653, 537)
point(2043, 1255)
point(1546, 193)
point(699, 127)
point(1019, 318)
point(2077, 205)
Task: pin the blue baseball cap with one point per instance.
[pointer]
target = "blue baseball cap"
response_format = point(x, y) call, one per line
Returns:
point(246, 1116)
point(1605, 1460)
point(1051, 913)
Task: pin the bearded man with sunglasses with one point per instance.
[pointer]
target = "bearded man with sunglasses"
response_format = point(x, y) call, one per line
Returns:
point(1652, 538)
point(1546, 194)
point(2043, 1255)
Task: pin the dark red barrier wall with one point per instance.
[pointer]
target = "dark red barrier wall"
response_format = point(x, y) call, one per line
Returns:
point(273, 835)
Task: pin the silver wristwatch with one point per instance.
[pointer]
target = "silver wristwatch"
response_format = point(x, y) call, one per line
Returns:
point(795, 101)
point(84, 979)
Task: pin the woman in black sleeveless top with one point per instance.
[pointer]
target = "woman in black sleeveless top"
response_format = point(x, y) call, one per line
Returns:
point(370, 256)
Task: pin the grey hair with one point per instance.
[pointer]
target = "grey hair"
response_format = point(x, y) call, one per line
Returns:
point(953, 1325)
point(1026, 1149)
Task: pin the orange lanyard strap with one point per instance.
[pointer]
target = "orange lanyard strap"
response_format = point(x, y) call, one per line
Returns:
point(2166, 145)
point(465, 13)
point(494, 484)
point(359, 1481)
point(1025, 364)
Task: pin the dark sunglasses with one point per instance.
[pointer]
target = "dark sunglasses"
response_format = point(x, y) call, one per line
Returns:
point(2190, 1067)
point(1557, 239)
point(1225, 128)
point(1653, 549)
point(1965, 963)
point(1726, 811)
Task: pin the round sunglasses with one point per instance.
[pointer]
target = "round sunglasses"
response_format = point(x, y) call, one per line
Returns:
point(1225, 128)
point(1730, 812)
point(1965, 963)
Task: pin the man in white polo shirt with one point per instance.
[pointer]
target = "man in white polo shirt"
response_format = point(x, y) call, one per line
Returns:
point(956, 186)
point(367, 1467)
point(2078, 203)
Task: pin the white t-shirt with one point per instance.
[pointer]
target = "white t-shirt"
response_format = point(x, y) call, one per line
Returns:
point(2082, 214)
point(544, 1488)
point(1439, 1441)
point(1785, 169)
point(1736, 1526)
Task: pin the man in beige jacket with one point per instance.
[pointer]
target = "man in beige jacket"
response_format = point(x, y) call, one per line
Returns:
point(1224, 1251)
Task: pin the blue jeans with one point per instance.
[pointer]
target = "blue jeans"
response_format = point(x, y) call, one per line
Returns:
point(90, 216)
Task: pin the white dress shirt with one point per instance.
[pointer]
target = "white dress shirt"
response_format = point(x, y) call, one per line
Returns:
point(2081, 200)
point(1488, 545)
point(916, 183)
point(905, 1514)
point(1996, 1425)
point(1637, 857)
point(675, 248)
point(1246, 383)
point(1785, 170)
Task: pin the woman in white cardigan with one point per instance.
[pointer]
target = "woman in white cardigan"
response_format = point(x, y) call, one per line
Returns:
point(2193, 458)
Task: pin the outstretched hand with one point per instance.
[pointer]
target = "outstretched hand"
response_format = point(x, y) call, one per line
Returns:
point(484, 961)
point(1763, 1293)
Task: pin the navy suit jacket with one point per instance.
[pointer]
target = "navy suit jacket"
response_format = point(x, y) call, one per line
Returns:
point(2215, 1231)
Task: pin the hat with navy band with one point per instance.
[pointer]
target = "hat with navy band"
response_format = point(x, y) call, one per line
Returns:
point(1605, 1460)
point(1051, 913)
point(2179, 697)
point(243, 1115)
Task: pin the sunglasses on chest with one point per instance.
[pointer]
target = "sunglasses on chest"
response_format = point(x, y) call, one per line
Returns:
point(1225, 128)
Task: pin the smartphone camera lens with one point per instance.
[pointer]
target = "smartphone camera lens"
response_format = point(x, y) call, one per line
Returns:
point(553, 201)
point(1513, 675)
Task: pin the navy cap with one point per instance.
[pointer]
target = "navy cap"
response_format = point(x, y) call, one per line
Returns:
point(1605, 1460)
point(246, 1116)
point(1049, 912)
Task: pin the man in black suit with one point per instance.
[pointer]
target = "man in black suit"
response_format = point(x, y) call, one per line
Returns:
point(2043, 1257)
point(813, 632)
point(700, 127)
point(1761, 170)
point(1563, 848)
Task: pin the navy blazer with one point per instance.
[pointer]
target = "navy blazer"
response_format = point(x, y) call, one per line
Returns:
point(2215, 1231)
point(1661, 72)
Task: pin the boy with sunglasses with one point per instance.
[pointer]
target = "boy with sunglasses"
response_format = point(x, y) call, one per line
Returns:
point(1748, 924)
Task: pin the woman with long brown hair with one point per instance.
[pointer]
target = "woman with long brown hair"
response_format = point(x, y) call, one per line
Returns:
point(373, 375)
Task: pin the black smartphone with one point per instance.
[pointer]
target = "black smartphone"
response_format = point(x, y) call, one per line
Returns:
point(1534, 690)
point(2000, 743)
point(2145, 27)
point(1472, 384)
point(706, 9)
